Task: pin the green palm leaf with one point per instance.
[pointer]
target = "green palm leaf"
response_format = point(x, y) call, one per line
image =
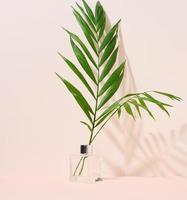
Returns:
point(78, 97)
point(132, 94)
point(137, 106)
point(111, 91)
point(113, 78)
point(102, 27)
point(109, 36)
point(87, 125)
point(86, 30)
point(119, 112)
point(103, 118)
point(78, 73)
point(171, 96)
point(82, 21)
point(98, 11)
point(83, 46)
point(108, 50)
point(87, 18)
point(144, 106)
point(89, 12)
point(128, 109)
point(103, 44)
point(82, 60)
point(101, 20)
point(109, 65)
point(110, 109)
point(158, 103)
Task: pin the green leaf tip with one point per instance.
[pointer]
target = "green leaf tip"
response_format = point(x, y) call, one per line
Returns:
point(171, 96)
point(129, 110)
point(61, 55)
point(66, 30)
point(73, 8)
point(98, 3)
point(89, 11)
point(77, 4)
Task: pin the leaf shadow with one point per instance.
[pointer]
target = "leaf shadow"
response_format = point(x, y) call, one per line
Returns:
point(167, 150)
point(128, 151)
point(127, 131)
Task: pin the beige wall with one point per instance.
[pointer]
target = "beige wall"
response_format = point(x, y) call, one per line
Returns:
point(40, 120)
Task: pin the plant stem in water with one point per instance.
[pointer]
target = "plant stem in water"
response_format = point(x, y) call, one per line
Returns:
point(83, 162)
point(74, 173)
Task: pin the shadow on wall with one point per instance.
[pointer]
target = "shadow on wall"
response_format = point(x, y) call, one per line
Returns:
point(126, 130)
point(162, 154)
point(136, 154)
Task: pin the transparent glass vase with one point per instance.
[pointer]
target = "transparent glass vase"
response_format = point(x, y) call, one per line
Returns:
point(85, 166)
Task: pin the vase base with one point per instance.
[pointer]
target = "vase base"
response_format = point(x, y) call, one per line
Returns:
point(84, 179)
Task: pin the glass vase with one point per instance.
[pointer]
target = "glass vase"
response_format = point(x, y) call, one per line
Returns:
point(85, 166)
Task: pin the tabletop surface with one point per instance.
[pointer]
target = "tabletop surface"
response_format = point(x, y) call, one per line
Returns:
point(129, 188)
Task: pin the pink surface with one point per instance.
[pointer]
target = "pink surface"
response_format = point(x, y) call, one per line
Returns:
point(129, 188)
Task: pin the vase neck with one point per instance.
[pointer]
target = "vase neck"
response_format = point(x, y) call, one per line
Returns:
point(86, 149)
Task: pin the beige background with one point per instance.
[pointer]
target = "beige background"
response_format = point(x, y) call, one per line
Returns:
point(39, 118)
